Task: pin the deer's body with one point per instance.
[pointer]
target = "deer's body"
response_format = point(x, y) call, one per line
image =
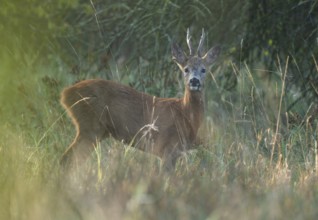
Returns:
point(163, 126)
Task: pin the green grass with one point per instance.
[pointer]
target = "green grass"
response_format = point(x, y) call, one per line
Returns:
point(245, 168)
point(252, 163)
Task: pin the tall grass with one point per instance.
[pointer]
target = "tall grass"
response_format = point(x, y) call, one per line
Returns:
point(250, 165)
point(255, 161)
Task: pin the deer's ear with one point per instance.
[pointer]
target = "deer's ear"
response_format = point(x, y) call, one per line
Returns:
point(211, 55)
point(177, 54)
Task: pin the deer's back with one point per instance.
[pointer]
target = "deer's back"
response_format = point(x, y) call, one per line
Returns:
point(113, 107)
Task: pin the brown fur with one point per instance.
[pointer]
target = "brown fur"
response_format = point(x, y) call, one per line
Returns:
point(163, 126)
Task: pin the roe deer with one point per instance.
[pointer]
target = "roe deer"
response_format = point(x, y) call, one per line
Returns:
point(162, 126)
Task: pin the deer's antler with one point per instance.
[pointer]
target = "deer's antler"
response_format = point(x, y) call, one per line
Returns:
point(200, 47)
point(189, 42)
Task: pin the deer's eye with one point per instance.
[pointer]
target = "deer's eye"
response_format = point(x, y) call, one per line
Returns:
point(186, 70)
point(203, 70)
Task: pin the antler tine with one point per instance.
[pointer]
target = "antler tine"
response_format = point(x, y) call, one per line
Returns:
point(189, 42)
point(200, 47)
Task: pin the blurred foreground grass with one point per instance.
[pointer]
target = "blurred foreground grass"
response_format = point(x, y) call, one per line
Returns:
point(254, 162)
point(245, 168)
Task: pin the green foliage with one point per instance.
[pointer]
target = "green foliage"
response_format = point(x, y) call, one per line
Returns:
point(278, 29)
point(243, 164)
point(255, 161)
point(139, 33)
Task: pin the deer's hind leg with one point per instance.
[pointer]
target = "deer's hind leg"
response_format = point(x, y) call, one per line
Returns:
point(89, 133)
point(79, 150)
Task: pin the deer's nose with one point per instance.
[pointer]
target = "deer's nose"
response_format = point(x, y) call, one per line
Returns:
point(194, 82)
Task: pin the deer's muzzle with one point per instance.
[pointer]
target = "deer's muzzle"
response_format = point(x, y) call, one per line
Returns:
point(195, 84)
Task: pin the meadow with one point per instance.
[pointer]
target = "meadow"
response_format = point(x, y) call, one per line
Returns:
point(253, 163)
point(258, 155)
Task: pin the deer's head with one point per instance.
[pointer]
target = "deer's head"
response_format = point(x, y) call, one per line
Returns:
point(194, 66)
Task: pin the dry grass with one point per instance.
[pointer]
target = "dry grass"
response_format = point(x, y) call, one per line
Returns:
point(255, 161)
point(251, 165)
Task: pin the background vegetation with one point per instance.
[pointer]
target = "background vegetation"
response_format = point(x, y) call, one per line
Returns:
point(259, 157)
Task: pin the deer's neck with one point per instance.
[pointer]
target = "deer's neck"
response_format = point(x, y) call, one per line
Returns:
point(193, 105)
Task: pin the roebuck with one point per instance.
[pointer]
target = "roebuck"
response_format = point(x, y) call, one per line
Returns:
point(163, 126)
